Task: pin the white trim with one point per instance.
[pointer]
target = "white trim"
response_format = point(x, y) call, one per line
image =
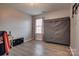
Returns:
point(72, 51)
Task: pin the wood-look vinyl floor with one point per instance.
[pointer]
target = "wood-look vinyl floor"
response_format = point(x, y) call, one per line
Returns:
point(40, 48)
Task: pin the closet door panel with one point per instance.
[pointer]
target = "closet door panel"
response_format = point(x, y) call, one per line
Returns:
point(57, 31)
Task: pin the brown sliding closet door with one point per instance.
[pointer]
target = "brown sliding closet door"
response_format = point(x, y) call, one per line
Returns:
point(57, 30)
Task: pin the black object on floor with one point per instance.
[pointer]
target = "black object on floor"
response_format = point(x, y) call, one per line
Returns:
point(2, 50)
point(18, 41)
point(1, 33)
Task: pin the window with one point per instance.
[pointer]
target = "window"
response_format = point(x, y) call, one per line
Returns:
point(38, 26)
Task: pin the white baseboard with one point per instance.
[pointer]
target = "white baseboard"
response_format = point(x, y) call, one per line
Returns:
point(72, 51)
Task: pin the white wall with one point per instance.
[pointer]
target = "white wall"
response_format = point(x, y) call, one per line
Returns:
point(55, 14)
point(18, 23)
point(75, 33)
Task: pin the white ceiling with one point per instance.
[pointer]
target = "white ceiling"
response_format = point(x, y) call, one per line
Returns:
point(38, 8)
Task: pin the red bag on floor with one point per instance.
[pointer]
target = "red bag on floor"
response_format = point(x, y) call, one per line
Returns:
point(6, 43)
